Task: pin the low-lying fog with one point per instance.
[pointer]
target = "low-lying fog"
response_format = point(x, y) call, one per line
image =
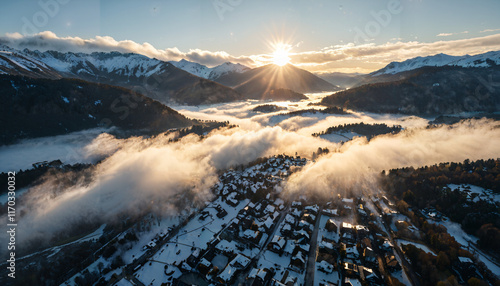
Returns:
point(145, 173)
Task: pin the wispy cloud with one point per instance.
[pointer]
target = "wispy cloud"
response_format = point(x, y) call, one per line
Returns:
point(489, 30)
point(444, 34)
point(347, 57)
point(451, 34)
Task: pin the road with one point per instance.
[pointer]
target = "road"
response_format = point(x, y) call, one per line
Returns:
point(406, 266)
point(311, 258)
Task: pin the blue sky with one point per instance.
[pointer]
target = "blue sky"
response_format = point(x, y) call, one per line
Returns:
point(243, 28)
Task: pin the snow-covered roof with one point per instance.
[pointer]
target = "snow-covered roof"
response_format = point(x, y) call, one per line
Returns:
point(464, 259)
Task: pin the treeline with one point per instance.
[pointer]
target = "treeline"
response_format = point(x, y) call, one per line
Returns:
point(268, 108)
point(368, 130)
point(328, 110)
point(29, 177)
point(205, 128)
point(426, 187)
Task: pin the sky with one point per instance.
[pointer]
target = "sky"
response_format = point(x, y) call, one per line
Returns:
point(320, 35)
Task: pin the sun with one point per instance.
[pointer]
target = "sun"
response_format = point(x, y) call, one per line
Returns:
point(280, 55)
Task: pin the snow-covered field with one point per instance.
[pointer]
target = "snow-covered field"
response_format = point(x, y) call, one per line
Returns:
point(402, 242)
point(476, 193)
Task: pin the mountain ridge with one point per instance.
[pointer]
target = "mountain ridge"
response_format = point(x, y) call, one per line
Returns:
point(152, 77)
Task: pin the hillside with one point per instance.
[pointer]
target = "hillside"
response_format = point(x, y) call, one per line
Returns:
point(256, 83)
point(154, 78)
point(42, 107)
point(426, 91)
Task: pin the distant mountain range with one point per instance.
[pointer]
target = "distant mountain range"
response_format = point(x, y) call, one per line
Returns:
point(45, 107)
point(154, 78)
point(259, 82)
point(439, 84)
point(180, 82)
point(486, 60)
point(209, 73)
point(343, 80)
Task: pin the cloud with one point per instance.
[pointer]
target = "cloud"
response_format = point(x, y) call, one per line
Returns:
point(149, 175)
point(347, 58)
point(356, 167)
point(489, 30)
point(444, 34)
point(451, 34)
point(47, 40)
point(372, 56)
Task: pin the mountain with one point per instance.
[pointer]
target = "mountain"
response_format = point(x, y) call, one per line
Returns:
point(154, 78)
point(17, 64)
point(427, 91)
point(343, 80)
point(209, 73)
point(482, 60)
point(257, 82)
point(34, 107)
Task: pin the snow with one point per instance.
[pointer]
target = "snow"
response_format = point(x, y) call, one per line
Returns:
point(402, 242)
point(209, 73)
point(440, 60)
point(195, 234)
point(476, 193)
point(455, 230)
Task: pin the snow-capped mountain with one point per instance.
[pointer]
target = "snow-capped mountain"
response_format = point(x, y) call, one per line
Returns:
point(95, 64)
point(226, 68)
point(209, 73)
point(15, 63)
point(155, 78)
point(482, 60)
point(192, 68)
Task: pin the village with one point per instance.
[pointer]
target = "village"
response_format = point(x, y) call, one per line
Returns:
point(249, 235)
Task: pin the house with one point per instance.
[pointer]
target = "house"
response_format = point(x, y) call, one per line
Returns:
point(352, 282)
point(310, 218)
point(290, 219)
point(260, 276)
point(352, 253)
point(330, 212)
point(347, 228)
point(466, 268)
point(298, 261)
point(331, 226)
point(327, 246)
point(325, 267)
point(277, 244)
point(252, 235)
point(305, 226)
point(297, 204)
point(204, 266)
point(302, 234)
point(386, 246)
point(226, 276)
point(370, 257)
point(312, 209)
point(220, 211)
point(350, 270)
point(192, 260)
point(392, 263)
point(238, 263)
point(286, 229)
point(362, 231)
